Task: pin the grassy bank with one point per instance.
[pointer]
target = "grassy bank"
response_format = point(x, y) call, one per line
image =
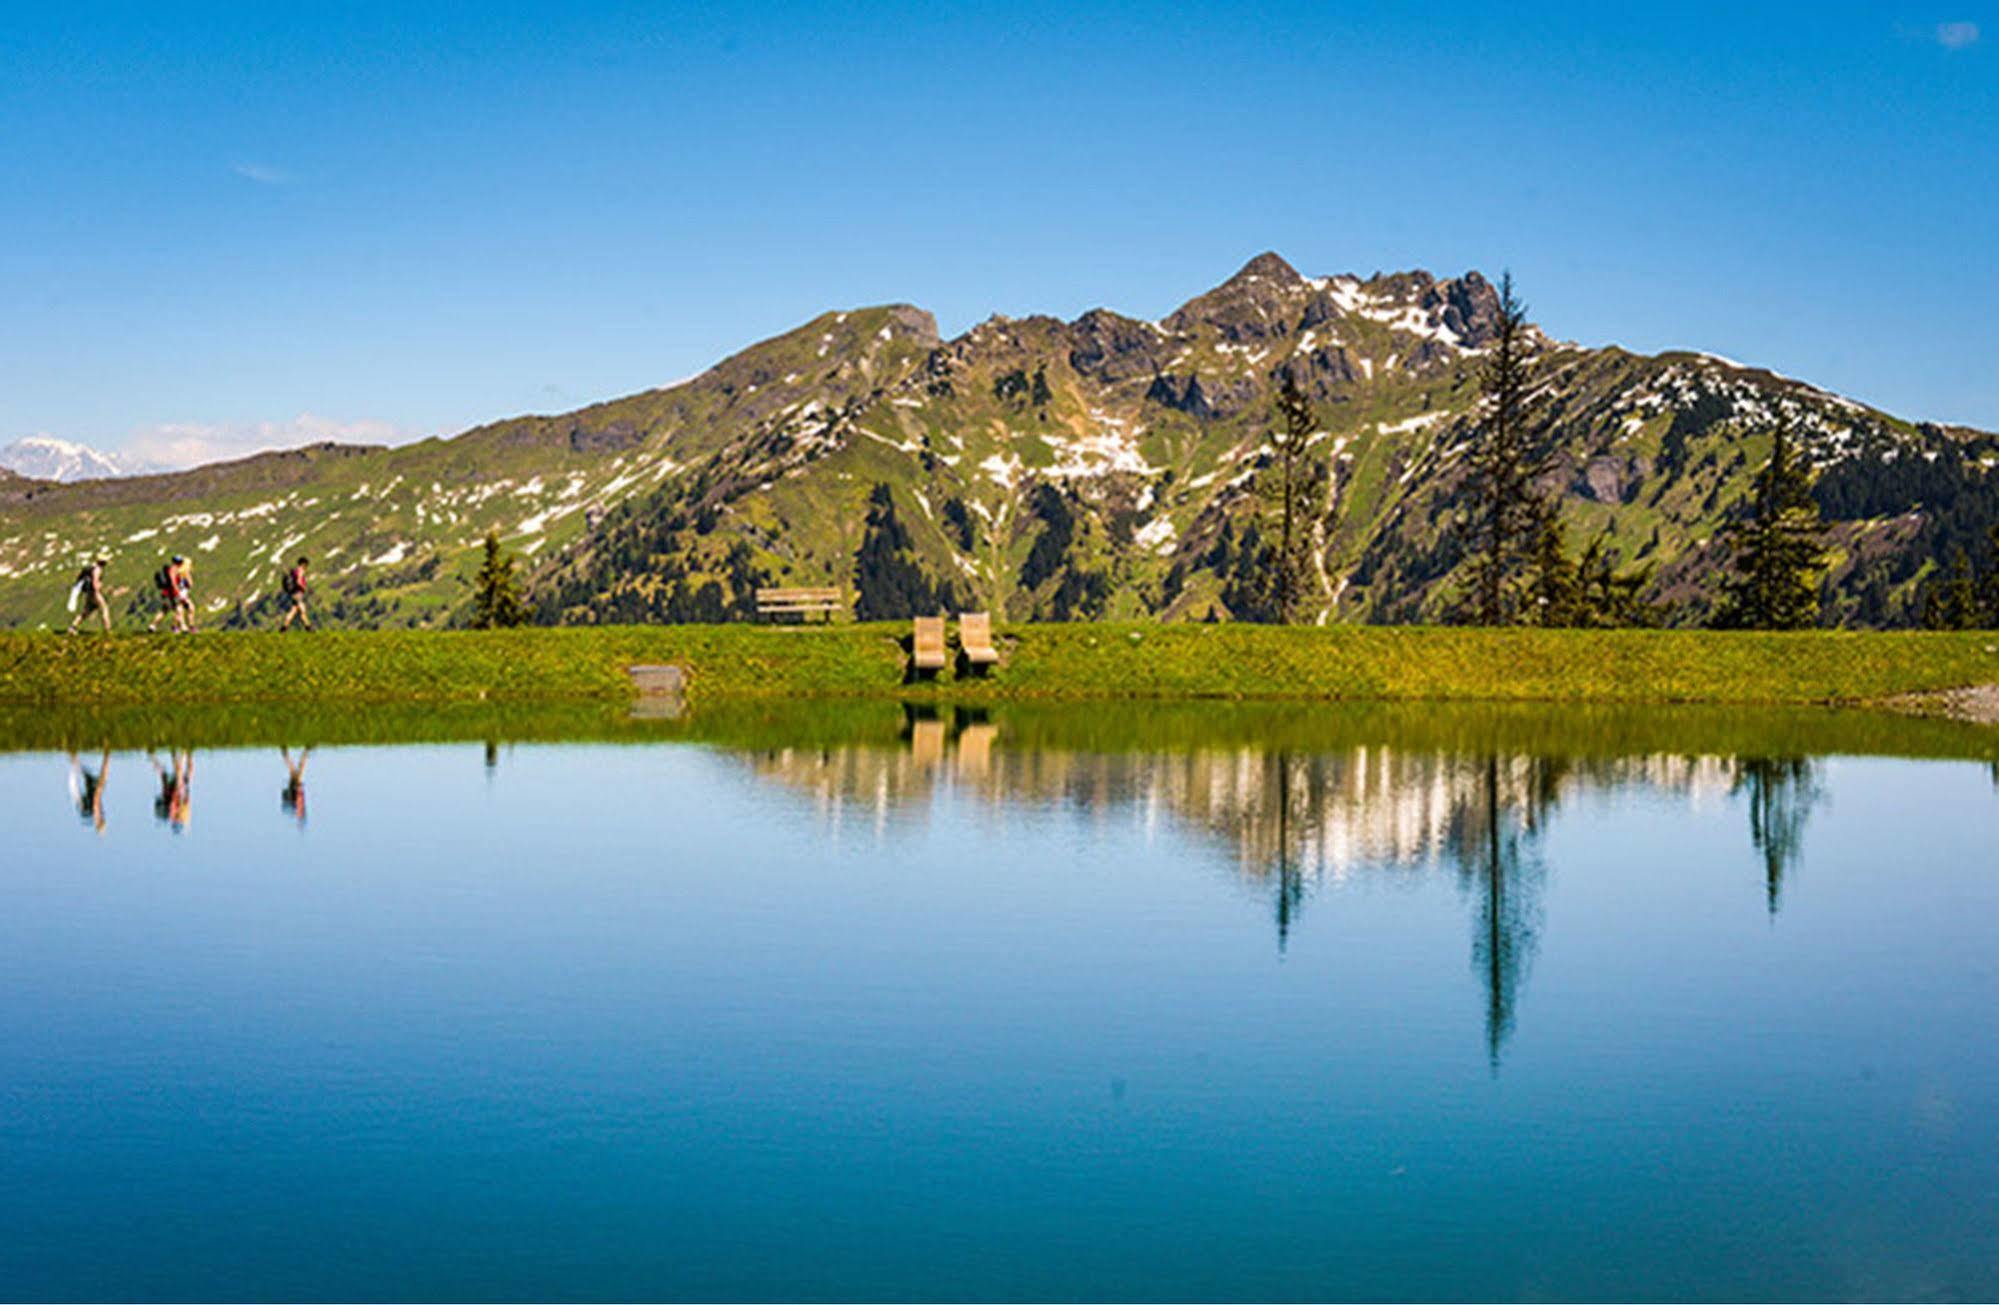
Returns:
point(1045, 661)
point(1572, 731)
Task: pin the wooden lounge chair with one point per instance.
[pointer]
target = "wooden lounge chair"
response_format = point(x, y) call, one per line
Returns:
point(975, 636)
point(927, 644)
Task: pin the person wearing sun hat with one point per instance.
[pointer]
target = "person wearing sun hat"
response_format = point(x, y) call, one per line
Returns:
point(87, 597)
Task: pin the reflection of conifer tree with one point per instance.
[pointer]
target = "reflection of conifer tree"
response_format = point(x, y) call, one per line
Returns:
point(1492, 849)
point(1290, 882)
point(1782, 792)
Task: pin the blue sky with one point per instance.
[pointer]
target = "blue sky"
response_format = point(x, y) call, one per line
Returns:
point(232, 225)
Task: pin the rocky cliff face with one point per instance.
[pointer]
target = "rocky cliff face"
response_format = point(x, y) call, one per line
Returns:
point(1046, 469)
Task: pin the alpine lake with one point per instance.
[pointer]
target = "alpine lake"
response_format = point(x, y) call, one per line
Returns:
point(873, 1000)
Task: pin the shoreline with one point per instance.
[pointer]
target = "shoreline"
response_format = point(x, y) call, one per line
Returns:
point(1954, 674)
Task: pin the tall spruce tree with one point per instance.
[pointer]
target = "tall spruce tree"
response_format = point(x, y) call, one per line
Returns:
point(1291, 487)
point(496, 597)
point(1774, 551)
point(1504, 514)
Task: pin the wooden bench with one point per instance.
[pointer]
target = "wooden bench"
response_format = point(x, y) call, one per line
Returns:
point(975, 636)
point(800, 602)
point(927, 644)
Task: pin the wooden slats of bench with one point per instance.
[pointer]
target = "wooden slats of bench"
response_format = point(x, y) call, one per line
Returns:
point(800, 602)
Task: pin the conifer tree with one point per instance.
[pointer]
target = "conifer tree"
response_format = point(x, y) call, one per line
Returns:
point(1992, 582)
point(1774, 552)
point(1291, 489)
point(1504, 514)
point(1952, 603)
point(1555, 588)
point(496, 599)
point(888, 584)
point(1610, 597)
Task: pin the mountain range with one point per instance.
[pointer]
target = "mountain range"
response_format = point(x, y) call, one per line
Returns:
point(44, 457)
point(1046, 469)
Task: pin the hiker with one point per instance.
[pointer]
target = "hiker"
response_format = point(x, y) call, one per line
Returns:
point(293, 597)
point(292, 798)
point(184, 596)
point(166, 584)
point(86, 596)
point(87, 789)
point(176, 800)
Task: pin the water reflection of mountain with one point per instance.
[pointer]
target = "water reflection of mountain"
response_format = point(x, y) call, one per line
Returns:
point(1320, 815)
point(1296, 821)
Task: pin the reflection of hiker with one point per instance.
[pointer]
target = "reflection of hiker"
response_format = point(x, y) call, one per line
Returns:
point(166, 584)
point(292, 799)
point(87, 789)
point(176, 800)
point(293, 597)
point(86, 596)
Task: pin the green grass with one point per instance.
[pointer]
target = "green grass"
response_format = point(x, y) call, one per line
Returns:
point(1080, 661)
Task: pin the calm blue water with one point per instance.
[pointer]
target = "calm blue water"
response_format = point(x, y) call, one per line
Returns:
point(965, 1017)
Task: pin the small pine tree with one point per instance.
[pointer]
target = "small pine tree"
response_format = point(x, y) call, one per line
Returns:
point(1609, 596)
point(1992, 581)
point(888, 584)
point(1952, 603)
point(1555, 587)
point(496, 599)
point(1774, 552)
point(1504, 514)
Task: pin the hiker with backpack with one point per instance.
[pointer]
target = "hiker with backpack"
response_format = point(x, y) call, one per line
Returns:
point(184, 596)
point(166, 583)
point(86, 596)
point(293, 597)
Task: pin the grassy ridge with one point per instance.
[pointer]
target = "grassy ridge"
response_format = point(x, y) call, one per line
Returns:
point(1081, 661)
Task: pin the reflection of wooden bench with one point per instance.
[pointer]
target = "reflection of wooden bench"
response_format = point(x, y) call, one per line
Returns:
point(975, 636)
point(927, 645)
point(800, 602)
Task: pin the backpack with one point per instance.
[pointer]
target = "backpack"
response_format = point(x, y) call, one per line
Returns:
point(292, 586)
point(163, 580)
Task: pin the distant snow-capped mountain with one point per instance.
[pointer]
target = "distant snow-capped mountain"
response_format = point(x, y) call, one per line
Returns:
point(44, 457)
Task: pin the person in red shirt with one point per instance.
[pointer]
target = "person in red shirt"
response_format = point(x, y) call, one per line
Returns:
point(293, 597)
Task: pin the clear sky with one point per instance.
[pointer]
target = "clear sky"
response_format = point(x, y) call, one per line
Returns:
point(232, 225)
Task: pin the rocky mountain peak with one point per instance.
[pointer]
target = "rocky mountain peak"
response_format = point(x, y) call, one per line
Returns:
point(907, 319)
point(1268, 266)
point(1257, 303)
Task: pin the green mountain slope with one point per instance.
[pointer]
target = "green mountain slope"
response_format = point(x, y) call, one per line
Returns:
point(1046, 469)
